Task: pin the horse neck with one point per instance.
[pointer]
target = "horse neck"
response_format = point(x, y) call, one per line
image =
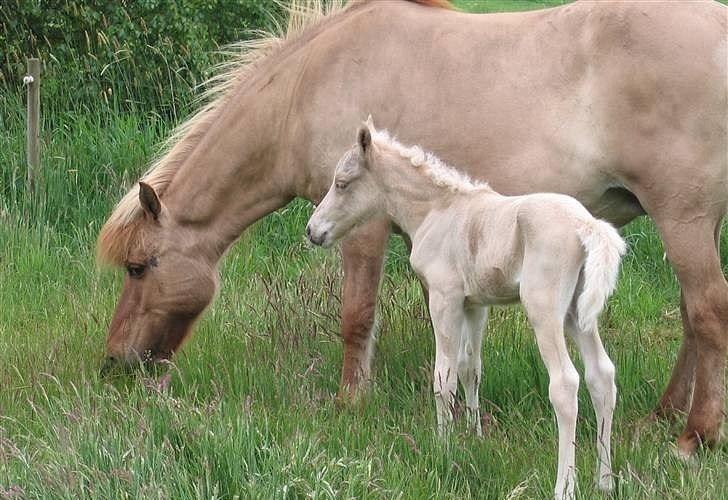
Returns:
point(410, 195)
point(234, 175)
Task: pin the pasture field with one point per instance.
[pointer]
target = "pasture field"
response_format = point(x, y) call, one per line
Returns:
point(248, 408)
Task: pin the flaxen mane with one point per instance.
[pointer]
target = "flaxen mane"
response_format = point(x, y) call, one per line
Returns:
point(120, 232)
point(439, 172)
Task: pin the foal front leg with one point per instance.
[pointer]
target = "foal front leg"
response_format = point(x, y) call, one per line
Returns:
point(446, 309)
point(469, 363)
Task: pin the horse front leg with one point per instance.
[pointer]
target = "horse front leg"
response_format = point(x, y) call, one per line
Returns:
point(362, 255)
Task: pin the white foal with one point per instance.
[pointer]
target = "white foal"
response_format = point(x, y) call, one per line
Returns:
point(472, 248)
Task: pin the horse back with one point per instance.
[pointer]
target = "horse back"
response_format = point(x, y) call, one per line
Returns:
point(579, 99)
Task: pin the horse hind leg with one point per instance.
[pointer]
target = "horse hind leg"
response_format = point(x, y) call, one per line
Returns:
point(678, 395)
point(692, 249)
point(599, 377)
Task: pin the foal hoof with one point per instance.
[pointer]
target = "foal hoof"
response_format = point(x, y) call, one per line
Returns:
point(606, 483)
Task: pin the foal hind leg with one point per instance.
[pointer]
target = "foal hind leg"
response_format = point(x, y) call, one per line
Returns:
point(599, 377)
point(362, 255)
point(547, 319)
point(693, 251)
point(469, 363)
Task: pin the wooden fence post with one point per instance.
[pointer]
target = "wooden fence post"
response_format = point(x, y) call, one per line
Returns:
point(32, 80)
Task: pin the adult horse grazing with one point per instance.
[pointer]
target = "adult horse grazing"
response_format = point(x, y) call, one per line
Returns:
point(619, 104)
point(473, 247)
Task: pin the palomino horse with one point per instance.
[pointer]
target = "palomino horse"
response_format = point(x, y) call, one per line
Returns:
point(619, 104)
point(472, 248)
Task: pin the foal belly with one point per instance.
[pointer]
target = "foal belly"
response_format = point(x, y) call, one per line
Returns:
point(491, 286)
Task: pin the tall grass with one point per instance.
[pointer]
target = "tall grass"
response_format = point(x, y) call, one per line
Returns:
point(249, 411)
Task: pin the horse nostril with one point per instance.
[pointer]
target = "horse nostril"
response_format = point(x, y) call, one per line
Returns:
point(308, 231)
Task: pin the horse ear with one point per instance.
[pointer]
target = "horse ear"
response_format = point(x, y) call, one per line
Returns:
point(149, 200)
point(364, 139)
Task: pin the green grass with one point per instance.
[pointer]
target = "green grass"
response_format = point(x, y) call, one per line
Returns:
point(505, 5)
point(250, 409)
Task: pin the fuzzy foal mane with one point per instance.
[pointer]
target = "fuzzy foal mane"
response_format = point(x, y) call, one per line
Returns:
point(437, 171)
point(121, 230)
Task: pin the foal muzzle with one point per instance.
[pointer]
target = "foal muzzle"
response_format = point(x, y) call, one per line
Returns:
point(318, 238)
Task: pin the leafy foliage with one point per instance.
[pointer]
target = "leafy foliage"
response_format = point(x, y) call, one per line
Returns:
point(130, 53)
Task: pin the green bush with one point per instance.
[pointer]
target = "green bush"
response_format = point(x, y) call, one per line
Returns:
point(131, 54)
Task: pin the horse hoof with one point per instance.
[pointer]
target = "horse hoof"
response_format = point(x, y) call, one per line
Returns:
point(688, 444)
point(347, 398)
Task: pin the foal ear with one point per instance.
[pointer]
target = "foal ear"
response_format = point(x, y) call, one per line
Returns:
point(369, 123)
point(149, 200)
point(364, 139)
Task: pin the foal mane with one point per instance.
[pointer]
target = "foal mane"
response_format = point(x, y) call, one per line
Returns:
point(437, 171)
point(121, 230)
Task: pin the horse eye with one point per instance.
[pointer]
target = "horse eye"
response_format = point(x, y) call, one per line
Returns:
point(341, 185)
point(135, 270)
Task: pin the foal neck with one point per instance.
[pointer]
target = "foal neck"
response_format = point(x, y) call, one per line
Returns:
point(415, 183)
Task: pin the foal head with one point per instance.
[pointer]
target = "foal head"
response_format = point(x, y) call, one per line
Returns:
point(353, 197)
point(168, 284)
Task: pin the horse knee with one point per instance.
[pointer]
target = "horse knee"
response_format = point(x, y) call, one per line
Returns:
point(709, 322)
point(358, 324)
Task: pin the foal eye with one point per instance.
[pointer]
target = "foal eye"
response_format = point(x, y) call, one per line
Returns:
point(341, 185)
point(135, 270)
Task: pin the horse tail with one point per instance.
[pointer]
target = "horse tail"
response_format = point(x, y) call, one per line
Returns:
point(604, 249)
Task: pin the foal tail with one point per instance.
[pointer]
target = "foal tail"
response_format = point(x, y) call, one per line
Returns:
point(604, 248)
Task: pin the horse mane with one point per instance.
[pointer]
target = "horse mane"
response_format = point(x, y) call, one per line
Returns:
point(440, 173)
point(121, 230)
